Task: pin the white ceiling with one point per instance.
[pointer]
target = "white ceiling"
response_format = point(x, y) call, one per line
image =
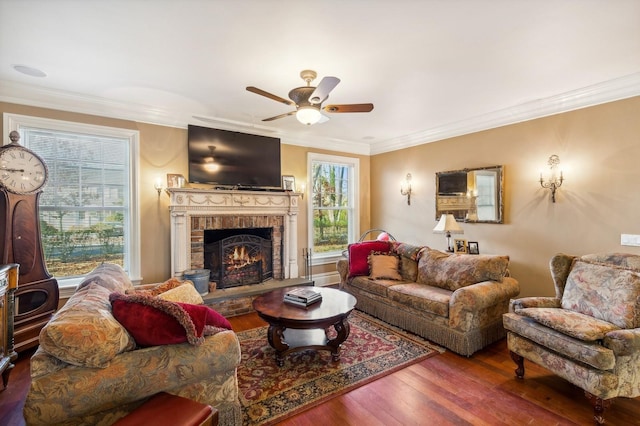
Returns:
point(432, 68)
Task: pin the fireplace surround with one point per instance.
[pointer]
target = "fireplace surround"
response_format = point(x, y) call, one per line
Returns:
point(194, 211)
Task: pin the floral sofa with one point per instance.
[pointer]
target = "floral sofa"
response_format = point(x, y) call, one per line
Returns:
point(589, 333)
point(91, 370)
point(455, 300)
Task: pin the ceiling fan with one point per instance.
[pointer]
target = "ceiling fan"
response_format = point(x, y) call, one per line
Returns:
point(308, 100)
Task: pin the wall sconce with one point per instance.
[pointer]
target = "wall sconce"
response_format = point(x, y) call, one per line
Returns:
point(552, 182)
point(302, 189)
point(405, 188)
point(158, 185)
point(448, 225)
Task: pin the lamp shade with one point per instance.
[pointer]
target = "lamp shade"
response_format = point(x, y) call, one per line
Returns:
point(448, 224)
point(308, 115)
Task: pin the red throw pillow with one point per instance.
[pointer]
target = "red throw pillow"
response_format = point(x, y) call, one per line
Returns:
point(359, 254)
point(152, 321)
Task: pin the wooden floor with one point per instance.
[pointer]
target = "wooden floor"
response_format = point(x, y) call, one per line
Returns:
point(446, 389)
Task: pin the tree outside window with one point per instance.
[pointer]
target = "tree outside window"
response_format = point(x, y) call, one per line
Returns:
point(332, 197)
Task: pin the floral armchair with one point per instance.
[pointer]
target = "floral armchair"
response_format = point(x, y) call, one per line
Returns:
point(589, 333)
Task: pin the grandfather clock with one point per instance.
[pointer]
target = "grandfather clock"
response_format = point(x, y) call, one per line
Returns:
point(23, 175)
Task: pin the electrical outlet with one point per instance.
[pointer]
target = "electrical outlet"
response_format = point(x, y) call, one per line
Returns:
point(629, 240)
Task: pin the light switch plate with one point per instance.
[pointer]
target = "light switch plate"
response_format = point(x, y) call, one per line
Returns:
point(629, 240)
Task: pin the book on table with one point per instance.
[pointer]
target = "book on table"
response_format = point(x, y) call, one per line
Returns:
point(301, 304)
point(302, 296)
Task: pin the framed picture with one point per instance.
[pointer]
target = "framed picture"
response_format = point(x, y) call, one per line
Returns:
point(289, 183)
point(175, 181)
point(473, 247)
point(459, 246)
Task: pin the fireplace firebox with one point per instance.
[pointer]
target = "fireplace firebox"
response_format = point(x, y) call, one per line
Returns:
point(238, 257)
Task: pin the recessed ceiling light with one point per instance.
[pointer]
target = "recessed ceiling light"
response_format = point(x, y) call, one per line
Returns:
point(33, 72)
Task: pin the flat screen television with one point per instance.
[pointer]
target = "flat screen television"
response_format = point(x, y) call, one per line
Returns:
point(233, 159)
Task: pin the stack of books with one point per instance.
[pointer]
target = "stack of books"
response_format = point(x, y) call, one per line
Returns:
point(302, 296)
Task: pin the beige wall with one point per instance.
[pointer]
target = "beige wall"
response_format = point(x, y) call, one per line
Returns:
point(164, 150)
point(599, 149)
point(599, 200)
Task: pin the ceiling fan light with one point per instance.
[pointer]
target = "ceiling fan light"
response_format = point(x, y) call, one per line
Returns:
point(308, 115)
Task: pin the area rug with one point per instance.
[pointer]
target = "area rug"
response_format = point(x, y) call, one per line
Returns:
point(269, 393)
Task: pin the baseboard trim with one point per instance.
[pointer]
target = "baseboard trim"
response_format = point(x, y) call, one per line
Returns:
point(326, 279)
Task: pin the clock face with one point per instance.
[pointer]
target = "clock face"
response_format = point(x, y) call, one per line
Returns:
point(21, 170)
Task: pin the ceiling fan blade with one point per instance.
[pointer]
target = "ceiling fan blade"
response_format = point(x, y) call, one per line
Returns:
point(327, 84)
point(349, 108)
point(269, 95)
point(279, 116)
point(323, 119)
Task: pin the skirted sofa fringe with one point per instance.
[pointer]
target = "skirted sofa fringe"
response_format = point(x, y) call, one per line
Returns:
point(462, 343)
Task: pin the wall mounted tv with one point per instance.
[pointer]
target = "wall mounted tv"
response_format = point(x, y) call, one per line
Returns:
point(233, 159)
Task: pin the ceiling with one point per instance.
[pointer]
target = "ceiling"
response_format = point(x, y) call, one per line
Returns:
point(432, 68)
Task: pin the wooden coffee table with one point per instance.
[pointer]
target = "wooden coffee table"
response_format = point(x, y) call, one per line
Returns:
point(293, 328)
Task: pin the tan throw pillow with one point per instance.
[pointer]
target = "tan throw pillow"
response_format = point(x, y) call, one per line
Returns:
point(384, 266)
point(158, 288)
point(186, 293)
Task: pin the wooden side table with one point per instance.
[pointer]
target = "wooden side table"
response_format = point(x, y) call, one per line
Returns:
point(8, 286)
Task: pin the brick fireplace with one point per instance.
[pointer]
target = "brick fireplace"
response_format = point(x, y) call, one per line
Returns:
point(196, 211)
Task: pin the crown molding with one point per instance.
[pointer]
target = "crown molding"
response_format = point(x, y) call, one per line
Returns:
point(608, 91)
point(42, 97)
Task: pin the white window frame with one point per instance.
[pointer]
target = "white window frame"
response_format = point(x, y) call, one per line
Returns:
point(354, 202)
point(16, 122)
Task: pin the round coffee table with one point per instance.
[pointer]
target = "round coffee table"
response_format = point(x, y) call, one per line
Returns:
point(293, 328)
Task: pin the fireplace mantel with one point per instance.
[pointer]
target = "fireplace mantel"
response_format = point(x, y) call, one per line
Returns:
point(186, 203)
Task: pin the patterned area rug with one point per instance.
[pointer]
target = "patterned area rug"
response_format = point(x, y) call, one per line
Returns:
point(269, 393)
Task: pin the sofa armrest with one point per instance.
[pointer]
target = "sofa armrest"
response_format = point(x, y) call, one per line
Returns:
point(484, 294)
point(623, 342)
point(534, 302)
point(343, 269)
point(484, 302)
point(132, 376)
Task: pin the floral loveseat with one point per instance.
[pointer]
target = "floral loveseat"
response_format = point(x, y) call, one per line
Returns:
point(455, 300)
point(89, 369)
point(589, 333)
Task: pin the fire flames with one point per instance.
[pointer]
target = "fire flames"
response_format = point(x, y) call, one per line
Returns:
point(240, 258)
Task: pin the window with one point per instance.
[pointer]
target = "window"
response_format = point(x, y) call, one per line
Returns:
point(88, 209)
point(333, 216)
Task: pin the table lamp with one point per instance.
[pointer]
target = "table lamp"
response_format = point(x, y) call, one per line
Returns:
point(448, 225)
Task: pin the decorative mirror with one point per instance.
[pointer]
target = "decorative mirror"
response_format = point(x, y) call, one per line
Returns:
point(471, 195)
